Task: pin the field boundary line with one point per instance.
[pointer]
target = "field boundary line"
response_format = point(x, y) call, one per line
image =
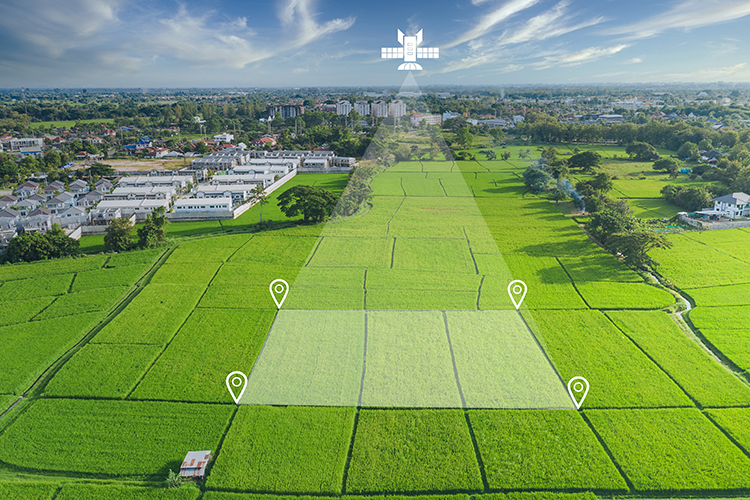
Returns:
point(541, 349)
point(726, 433)
point(350, 451)
point(604, 446)
point(212, 462)
point(471, 252)
point(41, 382)
point(393, 251)
point(650, 358)
point(572, 282)
point(453, 361)
point(44, 309)
point(479, 292)
point(440, 181)
point(182, 325)
point(388, 226)
point(713, 248)
point(315, 250)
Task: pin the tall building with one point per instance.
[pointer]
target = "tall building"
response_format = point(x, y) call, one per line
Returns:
point(343, 108)
point(286, 111)
point(397, 108)
point(362, 107)
point(379, 109)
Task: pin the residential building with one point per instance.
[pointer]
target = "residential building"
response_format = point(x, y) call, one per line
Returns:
point(9, 200)
point(225, 137)
point(263, 142)
point(250, 179)
point(8, 218)
point(90, 199)
point(397, 108)
point(53, 189)
point(239, 193)
point(379, 109)
point(362, 107)
point(40, 220)
point(178, 181)
point(72, 217)
point(79, 187)
point(142, 193)
point(60, 202)
point(26, 142)
point(27, 189)
point(141, 208)
point(202, 205)
point(732, 205)
point(343, 107)
point(103, 185)
point(215, 163)
point(286, 111)
point(417, 118)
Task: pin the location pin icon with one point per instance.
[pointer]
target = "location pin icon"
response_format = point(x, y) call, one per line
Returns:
point(236, 383)
point(279, 288)
point(578, 387)
point(517, 291)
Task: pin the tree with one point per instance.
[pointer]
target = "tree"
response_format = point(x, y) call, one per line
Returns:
point(642, 151)
point(489, 154)
point(635, 245)
point(29, 247)
point(173, 480)
point(259, 196)
point(586, 161)
point(602, 183)
point(153, 232)
point(497, 135)
point(688, 150)
point(537, 178)
point(668, 165)
point(609, 221)
point(464, 137)
point(315, 204)
point(119, 235)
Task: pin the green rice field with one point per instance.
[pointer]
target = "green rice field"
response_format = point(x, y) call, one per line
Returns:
point(398, 367)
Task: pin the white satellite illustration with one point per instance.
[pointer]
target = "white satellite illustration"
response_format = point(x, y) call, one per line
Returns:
point(410, 51)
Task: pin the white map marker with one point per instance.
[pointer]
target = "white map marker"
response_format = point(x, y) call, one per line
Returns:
point(236, 381)
point(578, 387)
point(517, 291)
point(279, 288)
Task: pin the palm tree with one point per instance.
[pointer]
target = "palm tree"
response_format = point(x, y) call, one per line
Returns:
point(258, 195)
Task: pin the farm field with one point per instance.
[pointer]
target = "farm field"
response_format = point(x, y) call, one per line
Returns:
point(397, 368)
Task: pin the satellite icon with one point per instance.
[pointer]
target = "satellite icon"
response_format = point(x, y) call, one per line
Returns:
point(409, 51)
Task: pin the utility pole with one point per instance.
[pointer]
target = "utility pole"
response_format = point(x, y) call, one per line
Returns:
point(25, 110)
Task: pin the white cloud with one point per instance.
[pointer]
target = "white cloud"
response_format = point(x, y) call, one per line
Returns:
point(635, 60)
point(299, 13)
point(53, 26)
point(194, 41)
point(580, 57)
point(552, 23)
point(686, 15)
point(487, 22)
point(549, 24)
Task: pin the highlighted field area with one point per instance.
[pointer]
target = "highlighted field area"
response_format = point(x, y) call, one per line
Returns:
point(414, 359)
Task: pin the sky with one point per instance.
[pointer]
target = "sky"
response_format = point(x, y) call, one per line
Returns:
point(304, 43)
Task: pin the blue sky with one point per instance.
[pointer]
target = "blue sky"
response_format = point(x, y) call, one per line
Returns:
point(291, 43)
